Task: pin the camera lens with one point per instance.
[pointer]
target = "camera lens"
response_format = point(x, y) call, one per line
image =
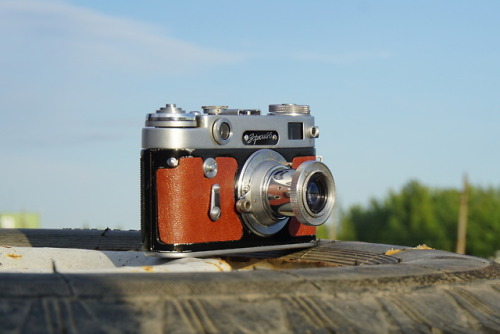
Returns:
point(272, 192)
point(316, 194)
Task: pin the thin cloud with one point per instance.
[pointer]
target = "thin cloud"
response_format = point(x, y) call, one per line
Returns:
point(73, 35)
point(346, 58)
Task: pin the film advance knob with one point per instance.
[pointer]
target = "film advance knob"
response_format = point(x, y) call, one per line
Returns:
point(289, 109)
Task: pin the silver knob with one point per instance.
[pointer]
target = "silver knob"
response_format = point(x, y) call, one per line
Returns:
point(289, 109)
point(170, 108)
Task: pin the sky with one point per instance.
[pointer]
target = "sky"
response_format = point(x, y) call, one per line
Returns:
point(401, 90)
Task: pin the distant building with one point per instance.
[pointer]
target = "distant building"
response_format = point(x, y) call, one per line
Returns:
point(20, 220)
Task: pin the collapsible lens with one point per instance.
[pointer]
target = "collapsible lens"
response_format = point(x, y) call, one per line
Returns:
point(269, 192)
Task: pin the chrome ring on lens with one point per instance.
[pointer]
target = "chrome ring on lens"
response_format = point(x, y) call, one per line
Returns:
point(312, 193)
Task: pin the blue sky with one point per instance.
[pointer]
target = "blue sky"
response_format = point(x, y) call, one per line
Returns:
point(400, 90)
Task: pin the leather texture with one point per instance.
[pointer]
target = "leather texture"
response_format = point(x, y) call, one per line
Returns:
point(184, 201)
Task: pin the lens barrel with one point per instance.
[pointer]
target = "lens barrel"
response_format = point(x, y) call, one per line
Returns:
point(269, 192)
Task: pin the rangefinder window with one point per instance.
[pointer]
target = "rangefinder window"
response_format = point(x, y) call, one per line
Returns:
point(295, 131)
point(221, 131)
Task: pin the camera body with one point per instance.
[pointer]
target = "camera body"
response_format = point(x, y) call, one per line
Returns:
point(231, 180)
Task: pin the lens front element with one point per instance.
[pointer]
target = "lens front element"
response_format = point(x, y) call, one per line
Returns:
point(316, 195)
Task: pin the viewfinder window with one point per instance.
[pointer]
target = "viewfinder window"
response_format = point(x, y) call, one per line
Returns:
point(295, 131)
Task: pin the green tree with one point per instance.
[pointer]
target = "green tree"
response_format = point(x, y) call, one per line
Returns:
point(483, 231)
point(422, 215)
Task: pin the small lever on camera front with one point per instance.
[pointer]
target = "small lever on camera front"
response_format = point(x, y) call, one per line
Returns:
point(215, 211)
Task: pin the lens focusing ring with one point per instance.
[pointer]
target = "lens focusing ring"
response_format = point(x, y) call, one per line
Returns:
point(312, 209)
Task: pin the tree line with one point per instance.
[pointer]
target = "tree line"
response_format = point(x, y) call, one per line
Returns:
point(418, 214)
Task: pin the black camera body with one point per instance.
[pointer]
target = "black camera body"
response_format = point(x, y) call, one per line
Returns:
point(231, 180)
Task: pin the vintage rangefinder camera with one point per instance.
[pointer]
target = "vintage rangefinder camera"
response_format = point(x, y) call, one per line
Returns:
point(232, 180)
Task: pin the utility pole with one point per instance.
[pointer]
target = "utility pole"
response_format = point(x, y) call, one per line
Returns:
point(462, 217)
